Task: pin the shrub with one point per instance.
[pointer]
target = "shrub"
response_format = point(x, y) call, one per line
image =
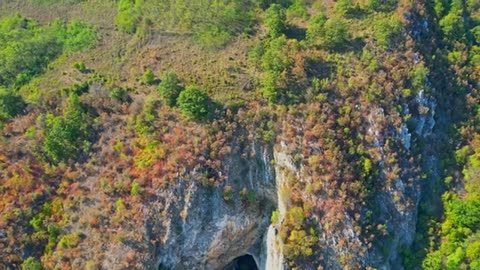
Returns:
point(135, 189)
point(382, 5)
point(454, 259)
point(119, 94)
point(194, 103)
point(144, 120)
point(344, 7)
point(367, 167)
point(119, 206)
point(79, 36)
point(227, 193)
point(169, 88)
point(433, 261)
point(275, 216)
point(251, 196)
point(213, 37)
point(80, 66)
point(439, 8)
point(69, 241)
point(418, 77)
point(473, 250)
point(31, 264)
point(148, 77)
point(297, 242)
point(77, 88)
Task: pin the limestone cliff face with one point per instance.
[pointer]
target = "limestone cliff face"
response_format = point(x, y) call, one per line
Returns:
point(200, 228)
point(205, 231)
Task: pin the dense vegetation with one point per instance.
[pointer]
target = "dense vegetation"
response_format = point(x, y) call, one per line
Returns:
point(458, 234)
point(98, 115)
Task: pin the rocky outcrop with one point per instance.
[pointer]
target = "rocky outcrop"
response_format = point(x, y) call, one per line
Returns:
point(206, 230)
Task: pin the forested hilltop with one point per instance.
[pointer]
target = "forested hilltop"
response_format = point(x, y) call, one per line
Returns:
point(239, 134)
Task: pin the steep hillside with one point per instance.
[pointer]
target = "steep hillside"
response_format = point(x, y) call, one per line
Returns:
point(158, 134)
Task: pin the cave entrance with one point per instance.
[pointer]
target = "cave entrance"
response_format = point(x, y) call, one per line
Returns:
point(245, 262)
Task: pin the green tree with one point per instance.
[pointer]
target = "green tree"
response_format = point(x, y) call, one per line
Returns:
point(433, 261)
point(439, 7)
point(65, 136)
point(386, 29)
point(275, 56)
point(25, 50)
point(128, 16)
point(169, 88)
point(10, 104)
point(298, 9)
point(297, 241)
point(336, 33)
point(316, 28)
point(473, 250)
point(194, 103)
point(452, 26)
point(275, 62)
point(275, 18)
point(76, 36)
point(270, 90)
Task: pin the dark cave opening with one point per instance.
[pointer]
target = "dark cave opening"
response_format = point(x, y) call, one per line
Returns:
point(245, 262)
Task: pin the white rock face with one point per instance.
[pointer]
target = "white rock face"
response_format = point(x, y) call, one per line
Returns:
point(405, 137)
point(425, 121)
point(274, 246)
point(274, 260)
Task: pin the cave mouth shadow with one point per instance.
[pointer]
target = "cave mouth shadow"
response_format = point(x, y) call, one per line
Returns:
point(244, 262)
